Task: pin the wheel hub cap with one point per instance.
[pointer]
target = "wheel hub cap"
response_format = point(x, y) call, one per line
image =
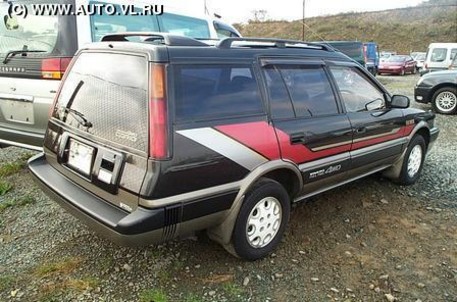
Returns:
point(446, 101)
point(264, 222)
point(414, 161)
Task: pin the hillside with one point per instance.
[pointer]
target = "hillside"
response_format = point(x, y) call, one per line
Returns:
point(402, 30)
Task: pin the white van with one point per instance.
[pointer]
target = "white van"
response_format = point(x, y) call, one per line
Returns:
point(36, 50)
point(439, 56)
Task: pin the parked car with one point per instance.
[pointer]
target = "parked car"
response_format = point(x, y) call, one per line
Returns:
point(353, 49)
point(439, 56)
point(397, 64)
point(419, 58)
point(35, 52)
point(385, 55)
point(440, 89)
point(184, 136)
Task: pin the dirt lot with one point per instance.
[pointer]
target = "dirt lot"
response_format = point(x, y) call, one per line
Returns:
point(367, 241)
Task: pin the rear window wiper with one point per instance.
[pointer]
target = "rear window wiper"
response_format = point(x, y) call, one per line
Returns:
point(80, 117)
point(12, 53)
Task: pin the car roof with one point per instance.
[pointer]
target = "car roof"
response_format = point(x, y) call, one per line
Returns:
point(163, 47)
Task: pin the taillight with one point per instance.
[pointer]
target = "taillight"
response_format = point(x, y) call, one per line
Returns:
point(54, 68)
point(158, 120)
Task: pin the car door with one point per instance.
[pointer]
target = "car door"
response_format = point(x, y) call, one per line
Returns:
point(378, 131)
point(311, 129)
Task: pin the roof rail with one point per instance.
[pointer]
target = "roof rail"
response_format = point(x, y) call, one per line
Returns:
point(155, 37)
point(279, 43)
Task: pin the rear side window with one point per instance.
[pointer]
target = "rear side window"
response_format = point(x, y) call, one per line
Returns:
point(215, 91)
point(31, 33)
point(310, 90)
point(103, 24)
point(453, 53)
point(184, 26)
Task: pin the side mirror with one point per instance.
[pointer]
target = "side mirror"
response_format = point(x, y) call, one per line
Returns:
point(374, 105)
point(399, 101)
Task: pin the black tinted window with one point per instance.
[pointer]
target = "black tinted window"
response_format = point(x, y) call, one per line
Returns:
point(280, 104)
point(310, 90)
point(211, 91)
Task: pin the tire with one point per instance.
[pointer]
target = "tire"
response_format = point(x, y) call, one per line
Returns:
point(402, 73)
point(262, 220)
point(413, 161)
point(444, 100)
point(414, 70)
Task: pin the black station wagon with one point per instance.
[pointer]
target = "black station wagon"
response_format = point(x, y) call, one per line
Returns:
point(165, 136)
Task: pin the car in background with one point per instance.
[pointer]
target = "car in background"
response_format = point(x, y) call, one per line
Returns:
point(385, 55)
point(35, 52)
point(419, 58)
point(398, 64)
point(440, 89)
point(439, 56)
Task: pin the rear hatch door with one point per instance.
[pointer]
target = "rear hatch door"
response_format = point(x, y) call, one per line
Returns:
point(98, 133)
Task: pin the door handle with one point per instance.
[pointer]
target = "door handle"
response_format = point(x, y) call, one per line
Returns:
point(297, 139)
point(361, 130)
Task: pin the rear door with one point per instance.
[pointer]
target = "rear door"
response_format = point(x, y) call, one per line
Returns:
point(378, 131)
point(310, 126)
point(34, 52)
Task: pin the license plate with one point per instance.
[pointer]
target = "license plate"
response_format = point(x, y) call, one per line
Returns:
point(17, 111)
point(80, 157)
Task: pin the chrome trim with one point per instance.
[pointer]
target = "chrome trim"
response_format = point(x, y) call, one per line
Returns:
point(16, 97)
point(324, 161)
point(341, 183)
point(378, 147)
point(226, 146)
point(331, 146)
point(394, 131)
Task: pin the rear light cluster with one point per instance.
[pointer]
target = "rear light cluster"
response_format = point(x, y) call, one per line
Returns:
point(158, 120)
point(54, 68)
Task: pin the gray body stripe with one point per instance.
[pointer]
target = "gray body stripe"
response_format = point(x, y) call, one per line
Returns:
point(226, 146)
point(394, 131)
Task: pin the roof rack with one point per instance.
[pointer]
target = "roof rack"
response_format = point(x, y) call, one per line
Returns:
point(154, 37)
point(279, 43)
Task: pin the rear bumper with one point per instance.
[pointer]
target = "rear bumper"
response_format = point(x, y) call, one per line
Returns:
point(141, 227)
point(21, 139)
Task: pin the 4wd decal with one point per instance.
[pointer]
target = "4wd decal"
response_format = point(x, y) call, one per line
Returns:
point(323, 172)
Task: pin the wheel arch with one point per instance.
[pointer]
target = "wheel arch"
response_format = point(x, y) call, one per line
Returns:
point(422, 128)
point(439, 86)
point(278, 170)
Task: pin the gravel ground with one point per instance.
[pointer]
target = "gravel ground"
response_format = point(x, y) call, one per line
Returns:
point(367, 241)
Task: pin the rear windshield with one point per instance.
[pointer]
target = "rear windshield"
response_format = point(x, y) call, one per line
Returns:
point(396, 59)
point(30, 33)
point(110, 91)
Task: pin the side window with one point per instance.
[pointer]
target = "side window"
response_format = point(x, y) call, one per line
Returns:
point(310, 90)
point(104, 23)
point(184, 26)
point(453, 53)
point(215, 91)
point(280, 104)
point(358, 93)
point(438, 55)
